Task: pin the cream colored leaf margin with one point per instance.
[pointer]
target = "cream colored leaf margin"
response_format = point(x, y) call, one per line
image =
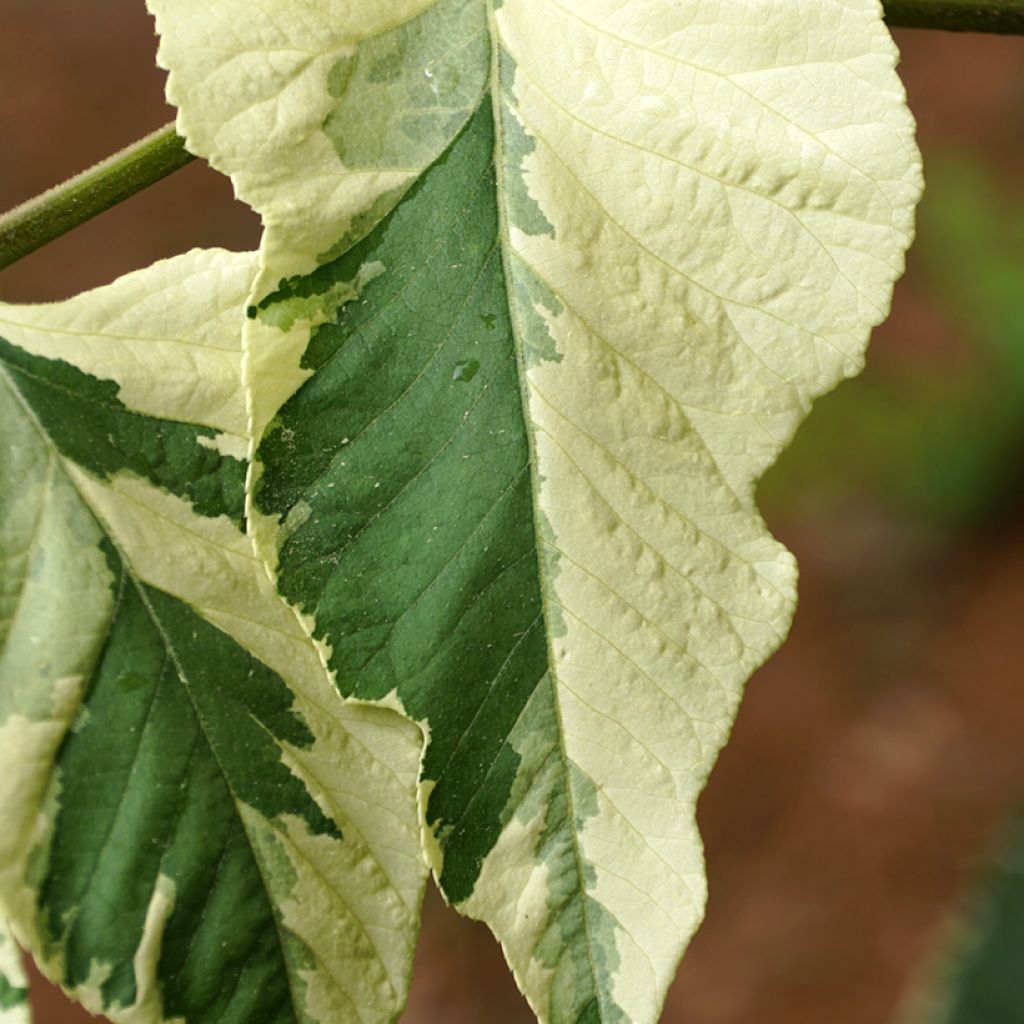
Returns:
point(170, 337)
point(729, 190)
point(14, 1006)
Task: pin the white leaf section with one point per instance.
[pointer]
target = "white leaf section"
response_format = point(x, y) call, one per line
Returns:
point(54, 616)
point(187, 369)
point(726, 194)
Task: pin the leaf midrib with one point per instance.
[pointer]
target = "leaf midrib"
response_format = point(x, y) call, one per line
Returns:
point(504, 243)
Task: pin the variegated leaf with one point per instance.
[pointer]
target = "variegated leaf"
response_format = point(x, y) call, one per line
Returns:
point(546, 286)
point(195, 827)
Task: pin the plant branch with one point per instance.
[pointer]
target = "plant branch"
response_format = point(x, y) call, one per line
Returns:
point(30, 226)
point(1002, 16)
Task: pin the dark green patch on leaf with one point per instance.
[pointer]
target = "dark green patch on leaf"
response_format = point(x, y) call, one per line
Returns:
point(92, 427)
point(401, 474)
point(181, 727)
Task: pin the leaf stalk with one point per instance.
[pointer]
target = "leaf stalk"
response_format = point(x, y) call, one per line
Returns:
point(1005, 17)
point(30, 226)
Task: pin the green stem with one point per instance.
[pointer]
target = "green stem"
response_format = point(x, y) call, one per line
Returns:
point(50, 215)
point(1003, 16)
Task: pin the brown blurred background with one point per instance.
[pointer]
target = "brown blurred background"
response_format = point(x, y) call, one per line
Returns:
point(878, 756)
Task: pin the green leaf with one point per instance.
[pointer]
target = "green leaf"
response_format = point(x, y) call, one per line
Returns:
point(193, 826)
point(14, 1004)
point(545, 288)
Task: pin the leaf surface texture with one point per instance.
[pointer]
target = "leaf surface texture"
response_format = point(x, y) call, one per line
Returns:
point(196, 827)
point(546, 286)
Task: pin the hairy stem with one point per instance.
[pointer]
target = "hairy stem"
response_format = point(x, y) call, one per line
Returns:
point(31, 225)
point(1005, 16)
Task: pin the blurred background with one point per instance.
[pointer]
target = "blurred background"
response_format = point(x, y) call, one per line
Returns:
point(858, 826)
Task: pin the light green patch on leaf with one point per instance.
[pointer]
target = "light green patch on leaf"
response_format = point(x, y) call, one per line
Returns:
point(297, 105)
point(403, 71)
point(306, 304)
point(183, 837)
point(14, 1002)
point(657, 233)
point(333, 74)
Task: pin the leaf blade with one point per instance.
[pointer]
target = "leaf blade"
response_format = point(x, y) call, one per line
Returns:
point(226, 777)
point(700, 215)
